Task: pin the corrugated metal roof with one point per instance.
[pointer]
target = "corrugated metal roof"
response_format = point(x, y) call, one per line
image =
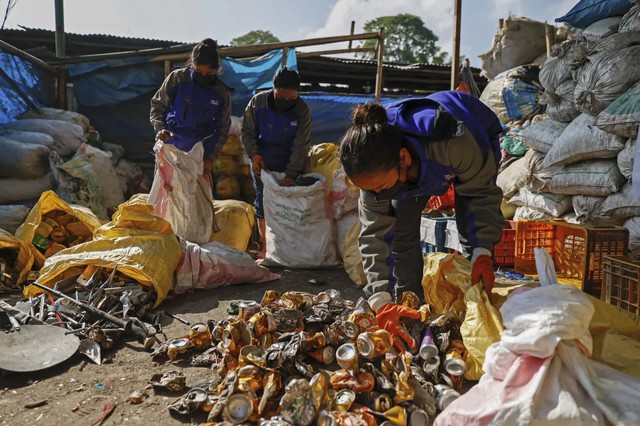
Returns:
point(103, 37)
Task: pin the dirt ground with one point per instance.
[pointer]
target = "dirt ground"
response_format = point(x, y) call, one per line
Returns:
point(70, 388)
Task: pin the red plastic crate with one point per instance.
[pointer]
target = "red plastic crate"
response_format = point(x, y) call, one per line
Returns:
point(443, 202)
point(529, 235)
point(621, 283)
point(504, 253)
point(577, 250)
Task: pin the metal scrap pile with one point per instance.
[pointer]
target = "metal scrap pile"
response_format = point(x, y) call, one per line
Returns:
point(100, 306)
point(274, 363)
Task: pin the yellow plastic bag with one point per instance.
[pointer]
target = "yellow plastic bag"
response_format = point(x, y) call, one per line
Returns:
point(142, 245)
point(24, 260)
point(616, 337)
point(447, 286)
point(324, 159)
point(235, 220)
point(49, 201)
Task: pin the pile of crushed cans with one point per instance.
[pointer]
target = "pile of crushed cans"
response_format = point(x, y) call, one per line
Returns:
point(274, 364)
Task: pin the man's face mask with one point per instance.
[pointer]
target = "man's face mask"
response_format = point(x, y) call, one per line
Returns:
point(204, 80)
point(282, 105)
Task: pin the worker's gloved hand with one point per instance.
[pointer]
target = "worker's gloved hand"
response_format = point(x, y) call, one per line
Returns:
point(257, 164)
point(388, 316)
point(164, 135)
point(287, 181)
point(482, 269)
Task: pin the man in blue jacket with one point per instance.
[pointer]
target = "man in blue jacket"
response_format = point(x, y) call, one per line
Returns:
point(276, 132)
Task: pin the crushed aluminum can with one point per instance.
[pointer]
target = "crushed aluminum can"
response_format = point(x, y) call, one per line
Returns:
point(445, 395)
point(320, 392)
point(347, 358)
point(238, 409)
point(318, 313)
point(271, 384)
point(322, 298)
point(383, 402)
point(297, 404)
point(360, 319)
point(325, 355)
point(173, 380)
point(428, 348)
point(343, 399)
point(261, 323)
point(339, 418)
point(312, 342)
point(453, 362)
point(200, 336)
point(417, 416)
point(247, 309)
point(409, 299)
point(207, 358)
point(374, 344)
point(176, 347)
point(269, 297)
point(235, 336)
point(404, 391)
point(431, 366)
point(288, 320)
point(250, 378)
point(137, 397)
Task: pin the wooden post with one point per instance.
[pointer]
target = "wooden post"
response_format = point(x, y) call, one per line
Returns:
point(167, 68)
point(549, 32)
point(60, 45)
point(500, 24)
point(61, 82)
point(353, 27)
point(285, 52)
point(380, 65)
point(455, 61)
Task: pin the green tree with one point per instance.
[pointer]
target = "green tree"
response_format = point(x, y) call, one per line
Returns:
point(406, 39)
point(255, 37)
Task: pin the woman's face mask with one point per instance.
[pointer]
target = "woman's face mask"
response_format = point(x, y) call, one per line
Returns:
point(282, 105)
point(204, 75)
point(391, 193)
point(284, 99)
point(204, 80)
point(384, 185)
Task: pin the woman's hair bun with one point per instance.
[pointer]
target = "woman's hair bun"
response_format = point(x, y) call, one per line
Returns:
point(369, 114)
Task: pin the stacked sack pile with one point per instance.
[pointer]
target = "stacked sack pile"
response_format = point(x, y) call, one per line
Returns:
point(49, 149)
point(231, 168)
point(580, 157)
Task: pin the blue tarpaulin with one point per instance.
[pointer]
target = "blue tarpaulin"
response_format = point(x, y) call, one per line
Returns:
point(586, 12)
point(35, 83)
point(331, 114)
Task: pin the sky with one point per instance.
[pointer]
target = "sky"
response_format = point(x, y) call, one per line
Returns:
point(189, 21)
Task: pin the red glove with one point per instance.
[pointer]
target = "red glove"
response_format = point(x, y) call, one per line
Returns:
point(482, 269)
point(388, 318)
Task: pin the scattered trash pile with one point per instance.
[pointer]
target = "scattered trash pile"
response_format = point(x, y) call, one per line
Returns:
point(274, 363)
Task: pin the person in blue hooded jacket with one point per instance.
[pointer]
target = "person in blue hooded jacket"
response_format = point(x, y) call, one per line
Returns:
point(193, 105)
point(276, 133)
point(401, 154)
